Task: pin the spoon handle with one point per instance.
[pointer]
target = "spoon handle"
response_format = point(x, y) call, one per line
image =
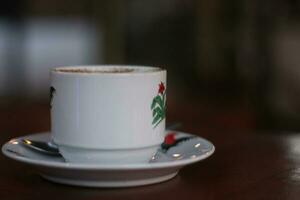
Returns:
point(41, 146)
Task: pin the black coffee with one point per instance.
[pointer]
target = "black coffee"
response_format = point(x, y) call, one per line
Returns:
point(91, 71)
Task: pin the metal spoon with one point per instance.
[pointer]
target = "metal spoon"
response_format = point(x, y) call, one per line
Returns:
point(43, 147)
point(51, 149)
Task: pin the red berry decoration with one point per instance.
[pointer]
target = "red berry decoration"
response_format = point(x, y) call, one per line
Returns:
point(170, 139)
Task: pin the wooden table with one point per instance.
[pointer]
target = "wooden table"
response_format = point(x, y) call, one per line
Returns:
point(246, 164)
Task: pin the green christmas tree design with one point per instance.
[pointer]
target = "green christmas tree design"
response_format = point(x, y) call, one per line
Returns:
point(158, 105)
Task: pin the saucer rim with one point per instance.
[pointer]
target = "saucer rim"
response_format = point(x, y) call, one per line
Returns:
point(95, 166)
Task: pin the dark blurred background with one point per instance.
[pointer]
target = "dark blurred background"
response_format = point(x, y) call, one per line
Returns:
point(231, 64)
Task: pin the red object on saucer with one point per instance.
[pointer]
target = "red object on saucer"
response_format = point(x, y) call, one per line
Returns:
point(170, 139)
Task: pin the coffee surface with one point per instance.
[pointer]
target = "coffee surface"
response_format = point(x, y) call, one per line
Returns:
point(91, 71)
point(107, 70)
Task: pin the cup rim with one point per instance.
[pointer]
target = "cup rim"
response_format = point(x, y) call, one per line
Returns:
point(107, 70)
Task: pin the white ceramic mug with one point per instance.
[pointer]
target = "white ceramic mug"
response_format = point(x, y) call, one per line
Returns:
point(108, 114)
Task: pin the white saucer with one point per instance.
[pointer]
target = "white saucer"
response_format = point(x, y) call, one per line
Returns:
point(165, 166)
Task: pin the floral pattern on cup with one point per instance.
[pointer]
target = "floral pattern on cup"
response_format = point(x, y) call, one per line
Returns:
point(158, 105)
point(52, 92)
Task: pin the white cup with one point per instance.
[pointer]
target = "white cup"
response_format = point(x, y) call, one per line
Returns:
point(108, 114)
